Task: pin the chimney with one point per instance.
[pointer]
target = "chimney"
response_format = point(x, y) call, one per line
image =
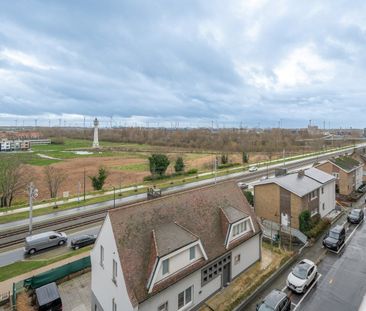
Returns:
point(301, 173)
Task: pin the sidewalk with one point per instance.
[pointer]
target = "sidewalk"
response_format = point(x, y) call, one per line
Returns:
point(279, 162)
point(7, 286)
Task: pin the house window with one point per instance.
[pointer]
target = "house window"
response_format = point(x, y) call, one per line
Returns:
point(165, 266)
point(239, 228)
point(163, 307)
point(322, 190)
point(114, 305)
point(236, 259)
point(102, 256)
point(313, 195)
point(192, 253)
point(336, 175)
point(114, 278)
point(185, 298)
point(323, 206)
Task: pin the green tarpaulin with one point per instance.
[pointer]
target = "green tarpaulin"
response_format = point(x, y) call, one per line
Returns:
point(57, 273)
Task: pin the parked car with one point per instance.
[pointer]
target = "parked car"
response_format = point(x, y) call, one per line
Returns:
point(242, 185)
point(48, 298)
point(335, 238)
point(36, 242)
point(83, 240)
point(301, 276)
point(253, 169)
point(275, 301)
point(355, 216)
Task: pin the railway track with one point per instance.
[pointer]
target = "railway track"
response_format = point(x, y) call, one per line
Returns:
point(15, 236)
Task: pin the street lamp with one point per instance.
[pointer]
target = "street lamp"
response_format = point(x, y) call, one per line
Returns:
point(33, 193)
point(114, 197)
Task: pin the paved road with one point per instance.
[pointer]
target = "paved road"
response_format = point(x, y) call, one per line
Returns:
point(342, 276)
point(17, 254)
point(242, 176)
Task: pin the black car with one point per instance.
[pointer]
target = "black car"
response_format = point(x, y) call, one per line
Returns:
point(335, 238)
point(275, 301)
point(83, 240)
point(355, 216)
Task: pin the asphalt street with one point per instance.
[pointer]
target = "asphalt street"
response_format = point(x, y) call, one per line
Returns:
point(341, 285)
point(13, 255)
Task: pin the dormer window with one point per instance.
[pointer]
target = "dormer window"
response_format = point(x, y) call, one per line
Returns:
point(239, 228)
point(192, 253)
point(166, 266)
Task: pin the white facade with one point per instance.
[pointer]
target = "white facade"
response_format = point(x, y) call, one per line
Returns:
point(327, 200)
point(102, 284)
point(359, 177)
point(105, 291)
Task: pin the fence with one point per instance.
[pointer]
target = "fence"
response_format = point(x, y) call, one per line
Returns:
point(50, 276)
point(271, 228)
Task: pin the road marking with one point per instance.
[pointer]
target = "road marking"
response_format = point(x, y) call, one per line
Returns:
point(308, 291)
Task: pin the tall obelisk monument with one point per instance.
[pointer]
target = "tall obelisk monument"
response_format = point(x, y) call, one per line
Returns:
point(96, 140)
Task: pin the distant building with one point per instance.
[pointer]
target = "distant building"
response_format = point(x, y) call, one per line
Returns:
point(174, 252)
point(347, 171)
point(282, 199)
point(14, 145)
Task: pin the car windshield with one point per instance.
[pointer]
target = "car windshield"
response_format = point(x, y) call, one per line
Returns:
point(355, 213)
point(300, 271)
point(333, 234)
point(265, 307)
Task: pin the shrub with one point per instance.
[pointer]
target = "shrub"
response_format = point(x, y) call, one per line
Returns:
point(192, 171)
point(58, 141)
point(227, 165)
point(158, 164)
point(250, 197)
point(319, 228)
point(305, 221)
point(179, 165)
point(224, 159)
point(99, 180)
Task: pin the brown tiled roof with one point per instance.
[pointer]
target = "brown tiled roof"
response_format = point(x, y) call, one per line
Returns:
point(197, 210)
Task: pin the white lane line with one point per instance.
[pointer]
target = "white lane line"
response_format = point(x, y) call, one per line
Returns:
point(283, 289)
point(308, 291)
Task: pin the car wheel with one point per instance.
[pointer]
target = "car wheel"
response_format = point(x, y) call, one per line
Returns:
point(305, 289)
point(62, 242)
point(32, 251)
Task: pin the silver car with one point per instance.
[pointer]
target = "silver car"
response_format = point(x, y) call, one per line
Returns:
point(36, 242)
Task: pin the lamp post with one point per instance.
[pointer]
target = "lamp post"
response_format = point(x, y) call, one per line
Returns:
point(114, 197)
point(33, 193)
point(84, 184)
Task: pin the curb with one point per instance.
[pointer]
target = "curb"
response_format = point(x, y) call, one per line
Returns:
point(268, 281)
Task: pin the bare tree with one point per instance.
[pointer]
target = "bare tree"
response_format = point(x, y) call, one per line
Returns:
point(13, 179)
point(54, 179)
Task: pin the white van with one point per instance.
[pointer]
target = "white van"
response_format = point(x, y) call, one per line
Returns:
point(36, 242)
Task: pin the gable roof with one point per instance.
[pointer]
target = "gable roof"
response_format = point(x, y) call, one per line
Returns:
point(197, 210)
point(233, 215)
point(345, 163)
point(299, 185)
point(319, 175)
point(170, 237)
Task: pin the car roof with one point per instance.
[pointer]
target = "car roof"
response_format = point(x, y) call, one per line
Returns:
point(40, 235)
point(307, 261)
point(337, 228)
point(274, 297)
point(84, 236)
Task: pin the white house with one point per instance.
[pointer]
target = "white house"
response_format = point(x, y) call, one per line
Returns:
point(174, 252)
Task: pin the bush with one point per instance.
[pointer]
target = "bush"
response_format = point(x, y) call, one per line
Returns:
point(179, 165)
point(250, 197)
point(58, 141)
point(158, 164)
point(192, 171)
point(305, 221)
point(319, 228)
point(227, 165)
point(99, 180)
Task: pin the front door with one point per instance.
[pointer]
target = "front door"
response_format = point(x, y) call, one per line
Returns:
point(226, 274)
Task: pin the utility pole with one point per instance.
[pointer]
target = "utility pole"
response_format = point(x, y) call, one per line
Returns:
point(114, 197)
point(79, 188)
point(215, 168)
point(84, 184)
point(33, 193)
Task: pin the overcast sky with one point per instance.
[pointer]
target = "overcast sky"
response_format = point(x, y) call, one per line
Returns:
point(250, 61)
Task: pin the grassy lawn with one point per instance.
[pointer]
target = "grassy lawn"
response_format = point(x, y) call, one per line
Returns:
point(28, 265)
point(135, 167)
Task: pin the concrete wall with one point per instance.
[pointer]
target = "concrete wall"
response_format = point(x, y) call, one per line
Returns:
point(249, 253)
point(102, 286)
point(267, 202)
point(327, 197)
point(178, 262)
